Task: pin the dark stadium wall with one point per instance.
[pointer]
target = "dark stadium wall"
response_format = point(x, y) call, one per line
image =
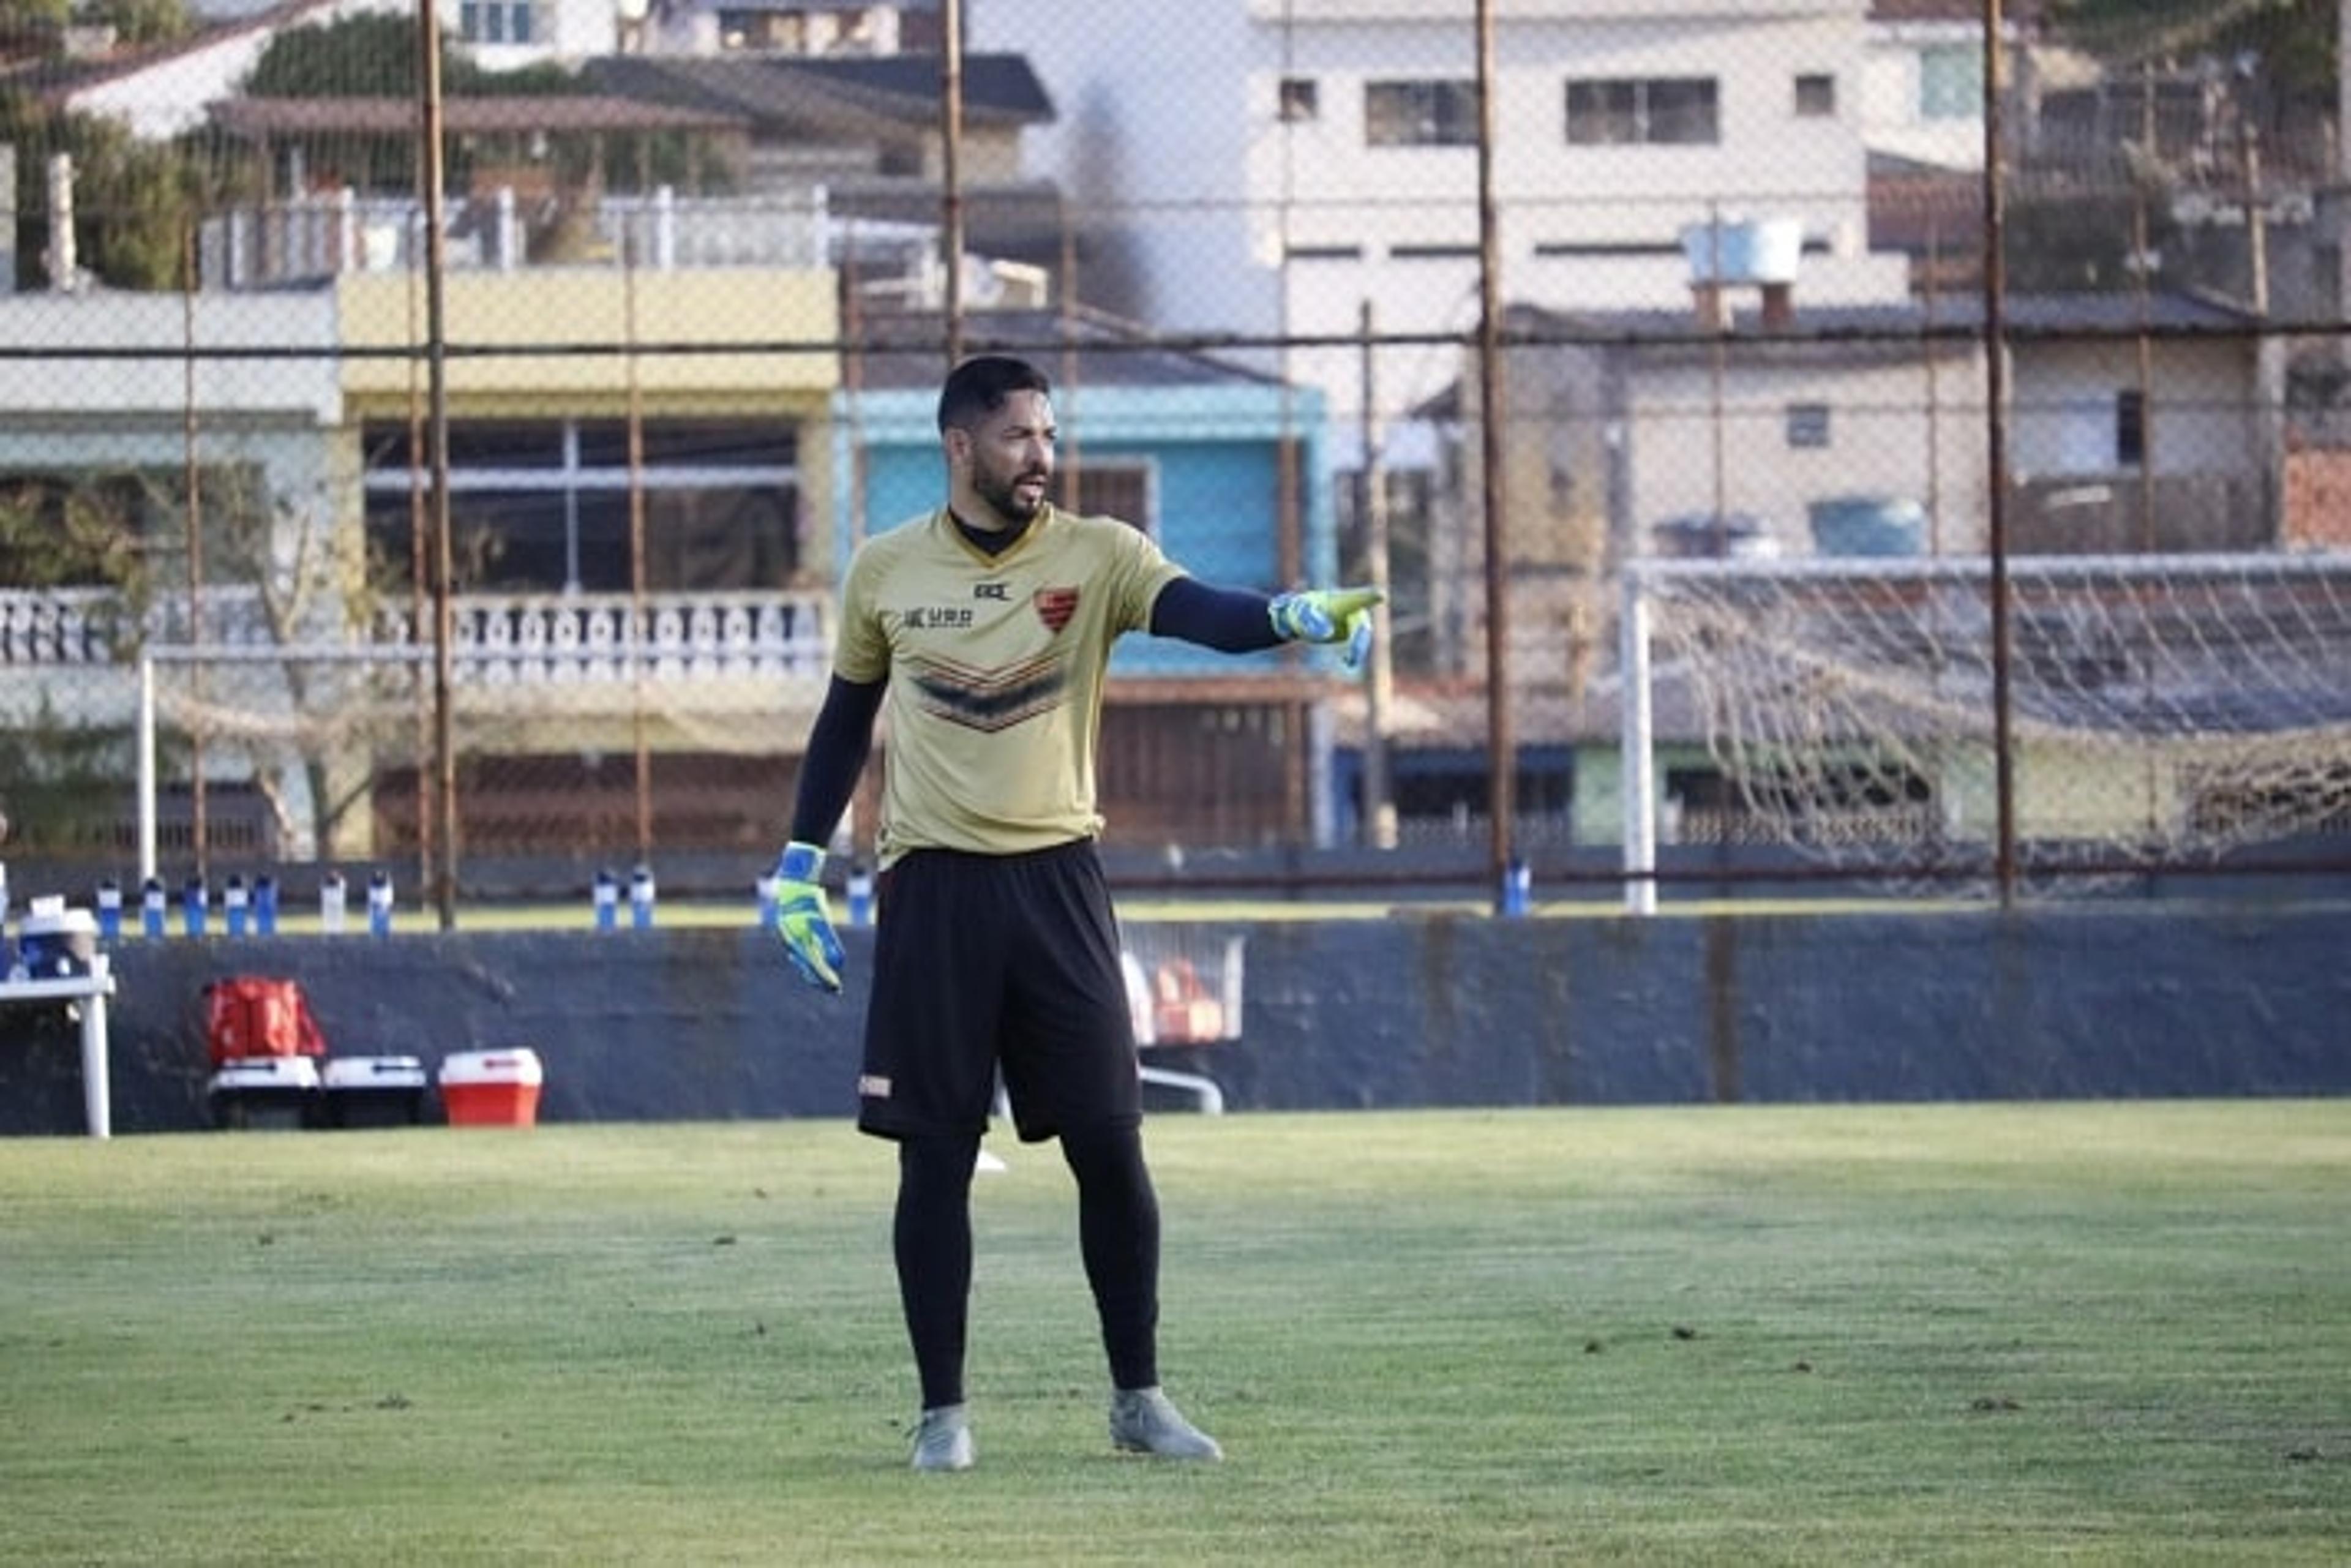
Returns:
point(2071, 1002)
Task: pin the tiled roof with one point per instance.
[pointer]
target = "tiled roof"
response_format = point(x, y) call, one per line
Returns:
point(397, 116)
point(904, 349)
point(901, 88)
point(2029, 313)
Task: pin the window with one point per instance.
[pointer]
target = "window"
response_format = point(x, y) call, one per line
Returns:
point(543, 504)
point(1816, 97)
point(1808, 424)
point(1666, 111)
point(1114, 487)
point(1301, 99)
point(495, 21)
point(2130, 428)
point(1420, 114)
point(1950, 82)
point(1408, 493)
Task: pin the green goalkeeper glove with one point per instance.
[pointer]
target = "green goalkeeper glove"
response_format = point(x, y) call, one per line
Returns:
point(1328, 615)
point(804, 920)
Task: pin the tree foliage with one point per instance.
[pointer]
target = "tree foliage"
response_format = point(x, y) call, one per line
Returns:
point(142, 24)
point(133, 201)
point(375, 55)
point(2290, 43)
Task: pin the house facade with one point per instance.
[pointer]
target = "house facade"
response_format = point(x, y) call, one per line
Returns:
point(1624, 424)
point(637, 569)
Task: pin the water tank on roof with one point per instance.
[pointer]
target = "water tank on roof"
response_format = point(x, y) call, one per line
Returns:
point(1747, 251)
point(1867, 524)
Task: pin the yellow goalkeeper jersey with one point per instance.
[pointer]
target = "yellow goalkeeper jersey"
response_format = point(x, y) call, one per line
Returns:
point(996, 667)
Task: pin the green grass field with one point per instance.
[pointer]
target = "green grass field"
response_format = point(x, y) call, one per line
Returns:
point(1981, 1333)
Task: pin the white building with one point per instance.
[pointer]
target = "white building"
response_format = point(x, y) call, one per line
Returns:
point(1270, 166)
point(1922, 82)
point(163, 93)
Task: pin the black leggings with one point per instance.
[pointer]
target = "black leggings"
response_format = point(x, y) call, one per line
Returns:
point(1118, 1236)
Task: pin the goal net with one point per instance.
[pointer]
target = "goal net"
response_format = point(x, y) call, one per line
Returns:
point(2163, 710)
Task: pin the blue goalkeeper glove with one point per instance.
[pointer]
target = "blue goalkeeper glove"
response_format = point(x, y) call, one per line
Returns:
point(803, 918)
point(1328, 615)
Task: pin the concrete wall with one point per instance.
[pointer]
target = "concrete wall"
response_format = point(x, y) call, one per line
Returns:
point(2238, 999)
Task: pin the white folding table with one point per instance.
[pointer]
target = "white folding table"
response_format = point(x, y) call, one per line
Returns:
point(90, 991)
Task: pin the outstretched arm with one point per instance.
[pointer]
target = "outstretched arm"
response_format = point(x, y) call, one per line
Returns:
point(1229, 620)
point(1236, 620)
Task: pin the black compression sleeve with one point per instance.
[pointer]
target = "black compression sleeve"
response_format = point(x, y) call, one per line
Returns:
point(837, 749)
point(1229, 620)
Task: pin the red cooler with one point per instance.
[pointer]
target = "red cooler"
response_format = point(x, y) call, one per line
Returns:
point(491, 1088)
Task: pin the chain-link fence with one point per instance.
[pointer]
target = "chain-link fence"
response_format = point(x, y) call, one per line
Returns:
point(478, 501)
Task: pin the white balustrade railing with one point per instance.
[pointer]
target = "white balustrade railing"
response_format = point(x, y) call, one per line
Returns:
point(58, 626)
point(587, 637)
point(506, 638)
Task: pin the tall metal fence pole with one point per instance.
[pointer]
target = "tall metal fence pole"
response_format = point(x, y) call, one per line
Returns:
point(1502, 741)
point(430, 175)
point(951, 213)
point(1995, 287)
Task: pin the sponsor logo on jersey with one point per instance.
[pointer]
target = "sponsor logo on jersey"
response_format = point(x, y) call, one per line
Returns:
point(937, 617)
point(1055, 606)
point(872, 1086)
point(999, 591)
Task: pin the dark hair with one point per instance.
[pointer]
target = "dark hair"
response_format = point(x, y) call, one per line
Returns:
point(979, 385)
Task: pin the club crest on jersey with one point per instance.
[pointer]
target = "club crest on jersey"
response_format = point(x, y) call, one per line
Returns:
point(1055, 606)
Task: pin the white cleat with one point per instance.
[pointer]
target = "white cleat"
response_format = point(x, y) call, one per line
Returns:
point(943, 1440)
point(1145, 1421)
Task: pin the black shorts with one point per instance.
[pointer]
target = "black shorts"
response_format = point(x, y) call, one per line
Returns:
point(988, 961)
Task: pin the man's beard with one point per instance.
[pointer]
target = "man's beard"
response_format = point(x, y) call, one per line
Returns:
point(1003, 494)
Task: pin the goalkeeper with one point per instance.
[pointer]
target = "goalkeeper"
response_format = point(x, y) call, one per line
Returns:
point(985, 628)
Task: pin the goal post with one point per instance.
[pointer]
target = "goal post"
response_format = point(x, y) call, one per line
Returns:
point(279, 715)
point(2164, 709)
point(313, 730)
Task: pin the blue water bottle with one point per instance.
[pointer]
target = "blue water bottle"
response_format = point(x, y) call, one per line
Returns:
point(608, 901)
point(265, 905)
point(333, 899)
point(110, 910)
point(641, 898)
point(195, 906)
point(861, 895)
point(1517, 882)
point(380, 903)
point(151, 908)
point(235, 904)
